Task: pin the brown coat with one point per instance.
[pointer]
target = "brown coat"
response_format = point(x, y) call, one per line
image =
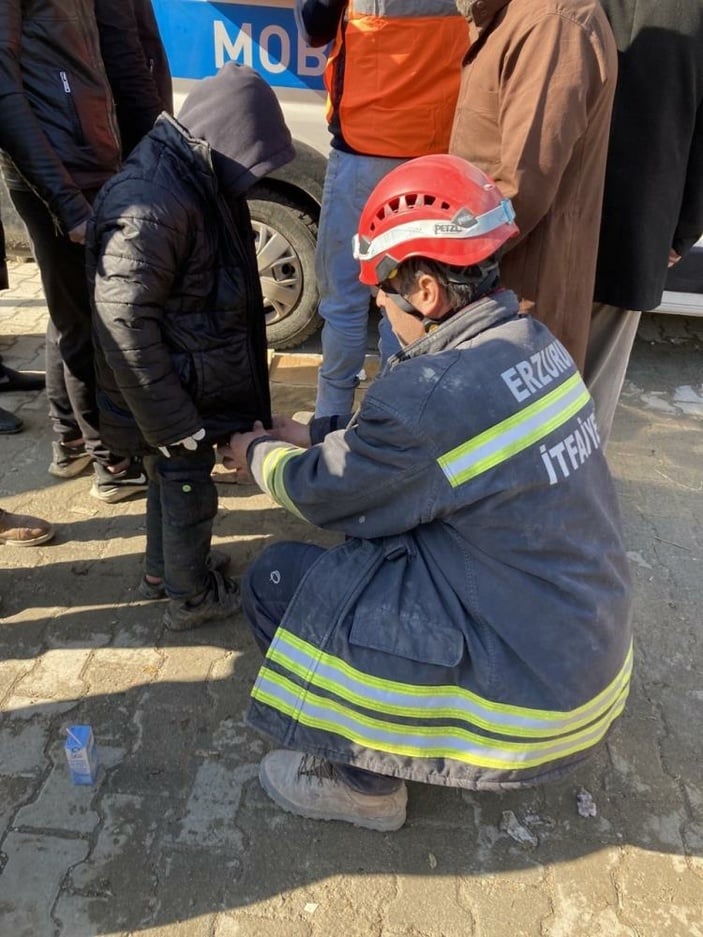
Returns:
point(534, 113)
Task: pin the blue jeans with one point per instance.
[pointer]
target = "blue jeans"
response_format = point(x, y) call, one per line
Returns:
point(267, 588)
point(344, 300)
point(181, 504)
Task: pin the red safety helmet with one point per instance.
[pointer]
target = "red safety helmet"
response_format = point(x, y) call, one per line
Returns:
point(440, 207)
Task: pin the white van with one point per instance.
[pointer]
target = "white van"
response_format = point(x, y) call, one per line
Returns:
point(200, 37)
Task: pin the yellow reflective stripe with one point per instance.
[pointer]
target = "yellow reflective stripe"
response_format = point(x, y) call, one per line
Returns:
point(516, 433)
point(272, 469)
point(412, 701)
point(431, 710)
point(430, 741)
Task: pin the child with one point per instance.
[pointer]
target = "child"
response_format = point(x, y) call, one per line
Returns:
point(179, 321)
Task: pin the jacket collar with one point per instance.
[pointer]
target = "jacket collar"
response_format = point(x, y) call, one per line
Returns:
point(197, 153)
point(483, 13)
point(464, 325)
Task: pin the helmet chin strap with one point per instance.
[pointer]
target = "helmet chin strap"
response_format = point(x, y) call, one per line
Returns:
point(404, 304)
point(479, 287)
point(428, 324)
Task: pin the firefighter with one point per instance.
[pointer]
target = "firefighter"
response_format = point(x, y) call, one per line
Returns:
point(473, 628)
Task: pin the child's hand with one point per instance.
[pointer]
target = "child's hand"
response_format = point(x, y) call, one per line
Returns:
point(189, 442)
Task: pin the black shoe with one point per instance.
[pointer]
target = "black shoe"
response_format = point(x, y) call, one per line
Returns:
point(9, 423)
point(217, 561)
point(221, 600)
point(20, 380)
point(68, 461)
point(116, 486)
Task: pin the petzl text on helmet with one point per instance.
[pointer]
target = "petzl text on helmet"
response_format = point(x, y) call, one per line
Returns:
point(463, 225)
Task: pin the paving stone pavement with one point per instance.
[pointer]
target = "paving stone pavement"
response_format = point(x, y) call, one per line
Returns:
point(176, 837)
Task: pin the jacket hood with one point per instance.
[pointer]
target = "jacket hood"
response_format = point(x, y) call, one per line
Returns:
point(239, 116)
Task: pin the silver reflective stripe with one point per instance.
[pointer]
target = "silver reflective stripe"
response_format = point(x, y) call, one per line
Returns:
point(272, 469)
point(525, 428)
point(385, 697)
point(430, 741)
point(398, 9)
point(455, 229)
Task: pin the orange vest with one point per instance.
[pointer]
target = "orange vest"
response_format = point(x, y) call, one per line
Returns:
point(393, 75)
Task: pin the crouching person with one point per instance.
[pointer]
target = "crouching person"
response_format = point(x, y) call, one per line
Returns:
point(179, 322)
point(473, 629)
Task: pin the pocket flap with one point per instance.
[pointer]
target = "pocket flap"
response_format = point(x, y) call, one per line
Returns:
point(421, 641)
point(398, 613)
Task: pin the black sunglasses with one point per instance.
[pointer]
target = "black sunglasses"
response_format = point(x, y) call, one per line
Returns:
point(398, 298)
point(387, 287)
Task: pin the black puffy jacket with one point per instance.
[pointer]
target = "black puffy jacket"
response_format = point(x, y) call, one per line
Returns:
point(178, 311)
point(58, 128)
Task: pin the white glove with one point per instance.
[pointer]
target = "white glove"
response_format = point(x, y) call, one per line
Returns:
point(190, 443)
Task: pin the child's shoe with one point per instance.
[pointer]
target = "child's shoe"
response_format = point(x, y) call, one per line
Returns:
point(68, 461)
point(217, 561)
point(116, 486)
point(220, 600)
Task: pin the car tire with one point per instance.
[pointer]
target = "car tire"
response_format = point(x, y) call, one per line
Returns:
point(285, 251)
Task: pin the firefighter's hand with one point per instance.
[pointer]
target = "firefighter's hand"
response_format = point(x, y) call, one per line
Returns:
point(234, 455)
point(289, 430)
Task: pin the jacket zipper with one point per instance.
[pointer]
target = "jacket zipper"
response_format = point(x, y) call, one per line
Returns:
point(72, 104)
point(232, 232)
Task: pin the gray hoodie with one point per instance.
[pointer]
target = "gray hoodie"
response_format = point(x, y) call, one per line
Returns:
point(238, 114)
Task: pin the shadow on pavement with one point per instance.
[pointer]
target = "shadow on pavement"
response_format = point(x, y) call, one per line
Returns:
point(177, 835)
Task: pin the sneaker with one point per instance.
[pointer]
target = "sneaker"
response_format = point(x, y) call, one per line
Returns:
point(68, 461)
point(23, 530)
point(217, 561)
point(116, 486)
point(309, 786)
point(221, 600)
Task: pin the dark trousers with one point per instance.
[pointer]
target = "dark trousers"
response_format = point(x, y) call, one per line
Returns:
point(181, 504)
point(267, 589)
point(70, 371)
point(610, 341)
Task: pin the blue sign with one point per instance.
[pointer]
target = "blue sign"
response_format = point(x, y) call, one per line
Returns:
point(201, 36)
